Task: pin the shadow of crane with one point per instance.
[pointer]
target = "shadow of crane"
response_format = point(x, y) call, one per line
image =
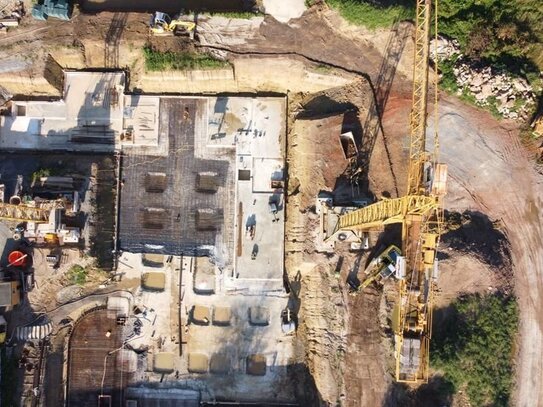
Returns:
point(359, 166)
point(113, 37)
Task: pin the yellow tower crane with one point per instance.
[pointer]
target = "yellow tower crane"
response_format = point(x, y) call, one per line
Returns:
point(24, 213)
point(420, 214)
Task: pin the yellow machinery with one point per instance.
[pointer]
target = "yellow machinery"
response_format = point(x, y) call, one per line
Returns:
point(162, 24)
point(389, 263)
point(3, 329)
point(23, 213)
point(42, 223)
point(420, 213)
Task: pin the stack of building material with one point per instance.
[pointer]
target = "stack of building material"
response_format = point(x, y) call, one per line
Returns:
point(201, 315)
point(153, 281)
point(93, 134)
point(61, 9)
point(256, 365)
point(219, 363)
point(163, 362)
point(10, 15)
point(222, 316)
point(33, 332)
point(198, 363)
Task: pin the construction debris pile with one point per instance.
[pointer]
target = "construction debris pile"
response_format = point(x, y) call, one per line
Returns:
point(513, 97)
point(11, 13)
point(60, 9)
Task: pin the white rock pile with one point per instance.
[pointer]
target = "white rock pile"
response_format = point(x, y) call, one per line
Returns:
point(513, 97)
point(445, 48)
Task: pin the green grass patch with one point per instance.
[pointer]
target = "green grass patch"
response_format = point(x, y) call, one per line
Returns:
point(469, 98)
point(323, 69)
point(474, 347)
point(77, 275)
point(492, 104)
point(245, 15)
point(360, 12)
point(165, 61)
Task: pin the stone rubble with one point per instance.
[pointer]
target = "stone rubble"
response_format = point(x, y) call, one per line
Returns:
point(513, 97)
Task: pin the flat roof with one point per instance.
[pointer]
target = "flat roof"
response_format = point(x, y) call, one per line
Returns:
point(88, 118)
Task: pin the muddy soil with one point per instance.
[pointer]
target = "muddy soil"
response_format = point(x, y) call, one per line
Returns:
point(343, 347)
point(164, 5)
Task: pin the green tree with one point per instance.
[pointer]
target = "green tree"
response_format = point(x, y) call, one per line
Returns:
point(474, 345)
point(500, 31)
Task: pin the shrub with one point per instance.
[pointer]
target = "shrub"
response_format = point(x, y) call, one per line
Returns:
point(507, 34)
point(448, 80)
point(42, 172)
point(372, 16)
point(77, 275)
point(474, 347)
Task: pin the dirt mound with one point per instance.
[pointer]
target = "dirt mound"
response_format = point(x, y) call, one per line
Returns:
point(474, 233)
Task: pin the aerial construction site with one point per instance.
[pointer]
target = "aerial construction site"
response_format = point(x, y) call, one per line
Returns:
point(265, 203)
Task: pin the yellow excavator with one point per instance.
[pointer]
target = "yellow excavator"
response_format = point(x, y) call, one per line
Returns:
point(389, 263)
point(162, 24)
point(420, 213)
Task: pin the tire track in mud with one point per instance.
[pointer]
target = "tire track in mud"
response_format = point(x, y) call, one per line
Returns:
point(491, 166)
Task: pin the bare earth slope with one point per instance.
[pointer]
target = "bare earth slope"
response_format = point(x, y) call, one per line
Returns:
point(491, 172)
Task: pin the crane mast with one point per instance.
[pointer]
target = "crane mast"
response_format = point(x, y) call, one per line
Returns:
point(420, 213)
point(419, 109)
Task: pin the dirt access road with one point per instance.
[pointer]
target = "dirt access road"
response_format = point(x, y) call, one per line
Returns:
point(491, 172)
